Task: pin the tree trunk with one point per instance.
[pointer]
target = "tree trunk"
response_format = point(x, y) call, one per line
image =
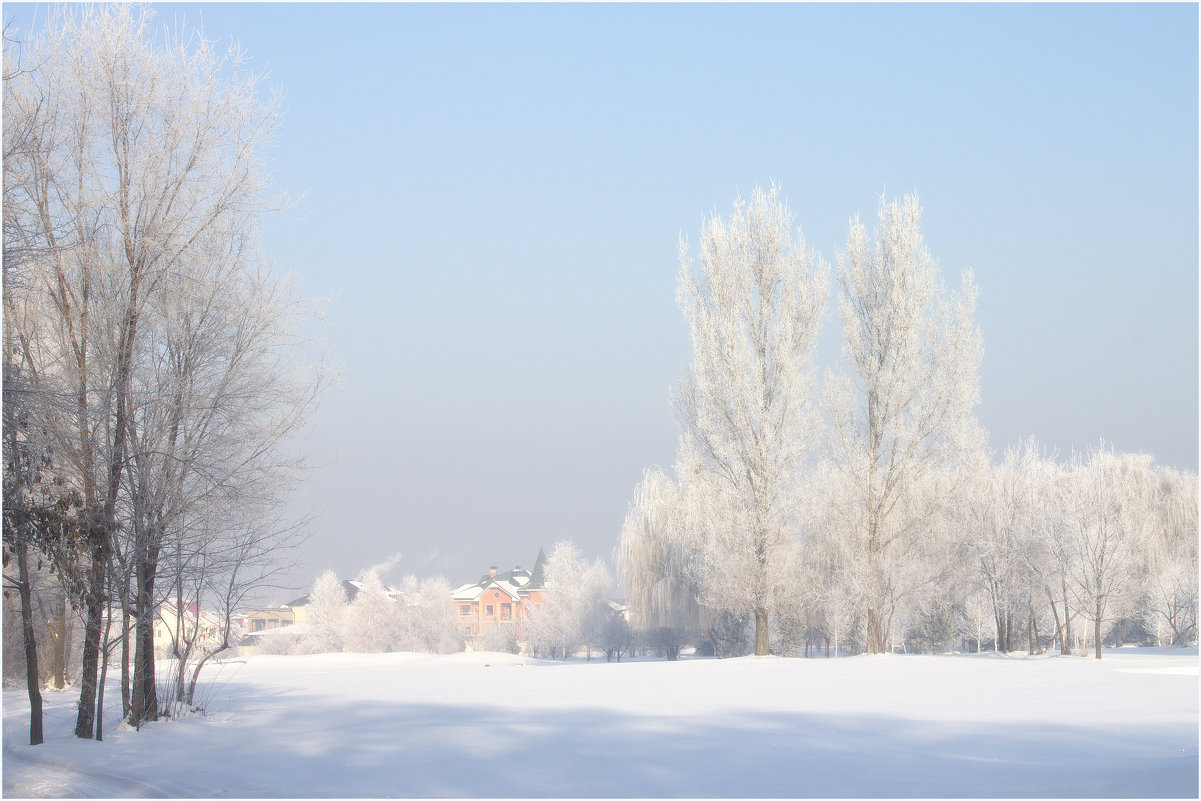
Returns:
point(60, 642)
point(875, 643)
point(86, 716)
point(68, 621)
point(94, 605)
point(144, 699)
point(762, 646)
point(32, 681)
point(1097, 631)
point(126, 693)
point(184, 642)
point(108, 625)
point(1055, 613)
point(100, 532)
point(190, 697)
point(1066, 641)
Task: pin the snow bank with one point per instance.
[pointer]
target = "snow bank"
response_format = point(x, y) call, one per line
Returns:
point(498, 725)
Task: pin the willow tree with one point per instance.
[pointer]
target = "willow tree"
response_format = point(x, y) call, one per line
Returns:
point(653, 561)
point(754, 306)
point(904, 419)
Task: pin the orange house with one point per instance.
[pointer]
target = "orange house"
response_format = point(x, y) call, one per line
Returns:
point(500, 599)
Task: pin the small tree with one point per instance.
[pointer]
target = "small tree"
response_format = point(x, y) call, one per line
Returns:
point(436, 623)
point(574, 587)
point(933, 627)
point(616, 637)
point(501, 638)
point(1112, 498)
point(732, 634)
point(371, 619)
point(326, 614)
point(1171, 559)
point(670, 640)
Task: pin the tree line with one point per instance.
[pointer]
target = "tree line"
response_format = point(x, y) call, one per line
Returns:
point(155, 367)
point(419, 615)
point(864, 510)
point(415, 616)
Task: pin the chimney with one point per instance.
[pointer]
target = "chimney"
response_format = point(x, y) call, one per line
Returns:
point(492, 572)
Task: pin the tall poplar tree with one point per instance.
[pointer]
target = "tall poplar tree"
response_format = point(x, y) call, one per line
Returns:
point(754, 305)
point(903, 421)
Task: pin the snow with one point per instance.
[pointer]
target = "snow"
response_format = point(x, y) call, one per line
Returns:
point(497, 725)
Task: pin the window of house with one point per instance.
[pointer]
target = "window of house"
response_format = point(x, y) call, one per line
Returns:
point(464, 609)
point(506, 611)
point(488, 610)
point(258, 624)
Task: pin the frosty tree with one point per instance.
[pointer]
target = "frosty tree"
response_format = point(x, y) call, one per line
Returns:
point(825, 573)
point(754, 306)
point(1171, 558)
point(144, 305)
point(434, 622)
point(328, 609)
point(372, 618)
point(654, 561)
point(903, 420)
point(575, 588)
point(1112, 499)
point(1001, 511)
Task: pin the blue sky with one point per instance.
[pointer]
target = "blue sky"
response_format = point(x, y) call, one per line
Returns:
point(493, 197)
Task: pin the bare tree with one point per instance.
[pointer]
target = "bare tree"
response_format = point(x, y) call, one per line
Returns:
point(754, 307)
point(903, 422)
point(1004, 517)
point(1171, 557)
point(1111, 499)
point(141, 195)
point(218, 397)
point(616, 637)
point(22, 515)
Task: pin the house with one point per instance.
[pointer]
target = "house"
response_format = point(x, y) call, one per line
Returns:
point(168, 624)
point(273, 617)
point(500, 599)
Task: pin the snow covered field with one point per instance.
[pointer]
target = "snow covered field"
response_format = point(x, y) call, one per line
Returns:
point(480, 724)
